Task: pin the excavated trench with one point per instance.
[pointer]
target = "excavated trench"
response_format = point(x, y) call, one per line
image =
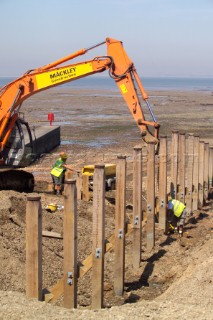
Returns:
point(156, 273)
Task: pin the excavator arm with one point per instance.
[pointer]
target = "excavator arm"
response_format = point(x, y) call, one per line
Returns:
point(120, 67)
point(124, 73)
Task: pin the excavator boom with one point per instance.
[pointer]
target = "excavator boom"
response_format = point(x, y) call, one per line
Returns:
point(120, 68)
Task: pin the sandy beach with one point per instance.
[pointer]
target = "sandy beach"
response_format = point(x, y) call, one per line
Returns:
point(97, 126)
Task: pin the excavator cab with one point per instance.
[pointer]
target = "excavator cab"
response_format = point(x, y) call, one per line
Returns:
point(18, 151)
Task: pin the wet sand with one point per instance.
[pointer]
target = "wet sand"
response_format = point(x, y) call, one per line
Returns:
point(99, 118)
point(97, 126)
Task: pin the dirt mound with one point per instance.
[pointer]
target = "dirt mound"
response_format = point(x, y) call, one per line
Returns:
point(12, 203)
point(12, 245)
point(194, 286)
point(21, 308)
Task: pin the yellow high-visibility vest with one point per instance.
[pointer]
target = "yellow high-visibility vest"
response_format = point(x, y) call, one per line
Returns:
point(178, 207)
point(57, 171)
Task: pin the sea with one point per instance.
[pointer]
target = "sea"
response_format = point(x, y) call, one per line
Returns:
point(149, 83)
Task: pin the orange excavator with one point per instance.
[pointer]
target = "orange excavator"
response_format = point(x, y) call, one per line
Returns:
point(12, 95)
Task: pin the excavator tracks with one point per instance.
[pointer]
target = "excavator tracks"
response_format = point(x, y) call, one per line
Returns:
point(18, 180)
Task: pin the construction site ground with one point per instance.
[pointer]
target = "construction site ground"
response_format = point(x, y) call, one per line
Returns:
point(174, 280)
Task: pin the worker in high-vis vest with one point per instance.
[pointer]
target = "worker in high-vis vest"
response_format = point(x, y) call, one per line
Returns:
point(177, 213)
point(58, 173)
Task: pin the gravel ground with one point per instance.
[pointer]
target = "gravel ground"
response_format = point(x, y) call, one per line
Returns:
point(190, 297)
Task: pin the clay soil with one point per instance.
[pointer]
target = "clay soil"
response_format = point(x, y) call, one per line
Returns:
point(174, 279)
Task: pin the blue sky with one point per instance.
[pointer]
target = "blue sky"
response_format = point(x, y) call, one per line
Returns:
point(162, 37)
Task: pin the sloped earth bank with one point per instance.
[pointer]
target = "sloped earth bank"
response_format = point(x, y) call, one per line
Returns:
point(174, 279)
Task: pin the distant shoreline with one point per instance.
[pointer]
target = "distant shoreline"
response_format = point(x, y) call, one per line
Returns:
point(150, 83)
